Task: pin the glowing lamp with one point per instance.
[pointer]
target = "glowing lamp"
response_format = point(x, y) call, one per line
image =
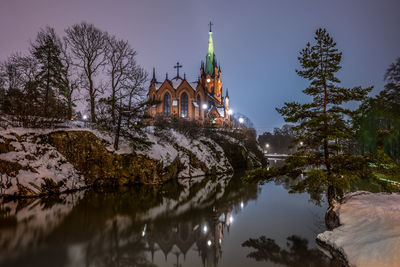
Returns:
point(208, 80)
point(204, 106)
point(241, 120)
point(85, 117)
point(230, 111)
point(209, 243)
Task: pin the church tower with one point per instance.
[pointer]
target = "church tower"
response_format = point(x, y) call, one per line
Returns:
point(210, 72)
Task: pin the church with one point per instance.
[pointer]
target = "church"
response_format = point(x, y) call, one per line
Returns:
point(201, 101)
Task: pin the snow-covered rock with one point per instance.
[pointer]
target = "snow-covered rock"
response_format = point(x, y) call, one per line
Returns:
point(43, 161)
point(198, 157)
point(369, 234)
point(31, 167)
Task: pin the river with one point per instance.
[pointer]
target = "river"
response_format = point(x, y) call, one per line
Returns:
point(215, 221)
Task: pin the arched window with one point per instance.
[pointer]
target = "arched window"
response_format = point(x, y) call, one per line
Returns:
point(167, 104)
point(199, 104)
point(184, 105)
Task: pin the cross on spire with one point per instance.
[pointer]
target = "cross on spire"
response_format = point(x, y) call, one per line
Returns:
point(177, 68)
point(210, 25)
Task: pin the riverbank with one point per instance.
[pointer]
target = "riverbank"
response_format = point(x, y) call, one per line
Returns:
point(35, 162)
point(369, 230)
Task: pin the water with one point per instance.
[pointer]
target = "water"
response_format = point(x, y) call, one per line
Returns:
point(208, 222)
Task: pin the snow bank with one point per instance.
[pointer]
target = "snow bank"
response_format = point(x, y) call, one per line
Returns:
point(169, 145)
point(369, 234)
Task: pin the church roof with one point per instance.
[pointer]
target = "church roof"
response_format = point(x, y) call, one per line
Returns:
point(175, 83)
point(221, 112)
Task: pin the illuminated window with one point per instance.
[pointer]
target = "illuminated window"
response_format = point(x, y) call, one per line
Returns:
point(184, 105)
point(167, 104)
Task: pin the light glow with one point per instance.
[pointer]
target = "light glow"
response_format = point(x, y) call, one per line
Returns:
point(267, 145)
point(230, 111)
point(85, 117)
point(205, 229)
point(241, 120)
point(204, 106)
point(208, 80)
point(209, 242)
point(231, 219)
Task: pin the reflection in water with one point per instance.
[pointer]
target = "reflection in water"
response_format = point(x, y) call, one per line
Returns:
point(297, 252)
point(169, 225)
point(122, 228)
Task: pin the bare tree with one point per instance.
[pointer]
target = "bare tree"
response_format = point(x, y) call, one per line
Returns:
point(89, 46)
point(120, 57)
point(131, 104)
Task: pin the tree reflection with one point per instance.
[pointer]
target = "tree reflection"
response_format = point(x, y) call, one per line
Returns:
point(296, 252)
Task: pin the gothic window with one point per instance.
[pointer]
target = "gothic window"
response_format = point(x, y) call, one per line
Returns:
point(184, 105)
point(167, 104)
point(199, 104)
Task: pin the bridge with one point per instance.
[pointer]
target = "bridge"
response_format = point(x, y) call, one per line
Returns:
point(276, 156)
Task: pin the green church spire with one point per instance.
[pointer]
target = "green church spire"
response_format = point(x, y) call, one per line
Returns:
point(210, 58)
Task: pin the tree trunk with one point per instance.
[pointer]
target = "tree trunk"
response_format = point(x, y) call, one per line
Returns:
point(92, 100)
point(117, 130)
point(113, 105)
point(69, 115)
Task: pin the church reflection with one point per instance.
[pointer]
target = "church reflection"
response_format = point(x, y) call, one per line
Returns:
point(129, 227)
point(200, 230)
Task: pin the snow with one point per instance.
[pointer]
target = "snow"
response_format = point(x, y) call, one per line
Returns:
point(221, 112)
point(170, 144)
point(157, 85)
point(369, 234)
point(194, 85)
point(39, 161)
point(176, 82)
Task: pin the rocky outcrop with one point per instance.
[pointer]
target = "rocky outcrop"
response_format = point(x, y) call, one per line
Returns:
point(240, 153)
point(88, 155)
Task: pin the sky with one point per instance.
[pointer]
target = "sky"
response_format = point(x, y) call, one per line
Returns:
point(257, 42)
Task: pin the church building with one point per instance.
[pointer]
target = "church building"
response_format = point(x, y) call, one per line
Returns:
point(200, 101)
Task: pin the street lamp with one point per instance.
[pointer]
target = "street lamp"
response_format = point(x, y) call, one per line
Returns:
point(266, 146)
point(241, 120)
point(230, 111)
point(301, 143)
point(204, 106)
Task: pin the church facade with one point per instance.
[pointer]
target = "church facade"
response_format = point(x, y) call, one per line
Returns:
point(201, 101)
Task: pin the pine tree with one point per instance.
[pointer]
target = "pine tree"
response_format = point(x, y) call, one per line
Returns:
point(378, 124)
point(47, 51)
point(320, 124)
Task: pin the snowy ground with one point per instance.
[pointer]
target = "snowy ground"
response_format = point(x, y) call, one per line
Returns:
point(369, 234)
